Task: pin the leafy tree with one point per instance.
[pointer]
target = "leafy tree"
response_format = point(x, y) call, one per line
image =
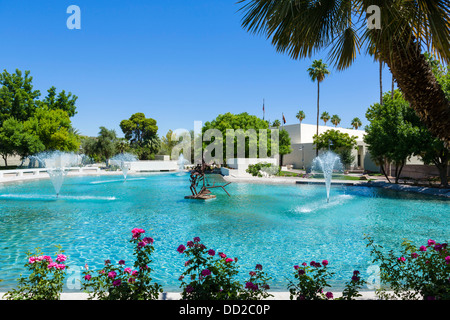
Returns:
point(142, 134)
point(356, 123)
point(337, 141)
point(317, 72)
point(335, 120)
point(106, 143)
point(284, 144)
point(17, 96)
point(391, 134)
point(53, 127)
point(30, 125)
point(168, 142)
point(303, 28)
point(325, 117)
point(244, 121)
point(15, 139)
point(61, 101)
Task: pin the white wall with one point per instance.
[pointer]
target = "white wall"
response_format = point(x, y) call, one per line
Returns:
point(153, 165)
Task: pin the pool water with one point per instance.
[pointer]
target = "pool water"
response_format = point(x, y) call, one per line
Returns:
point(277, 226)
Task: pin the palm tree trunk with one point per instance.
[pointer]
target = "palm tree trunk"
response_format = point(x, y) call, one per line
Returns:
point(416, 80)
point(381, 82)
point(392, 90)
point(317, 129)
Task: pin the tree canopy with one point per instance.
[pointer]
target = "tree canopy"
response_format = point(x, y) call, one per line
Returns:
point(141, 132)
point(29, 125)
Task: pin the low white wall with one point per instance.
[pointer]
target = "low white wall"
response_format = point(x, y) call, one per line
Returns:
point(153, 165)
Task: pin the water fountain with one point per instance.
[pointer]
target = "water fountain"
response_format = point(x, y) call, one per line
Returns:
point(327, 163)
point(181, 162)
point(122, 160)
point(57, 164)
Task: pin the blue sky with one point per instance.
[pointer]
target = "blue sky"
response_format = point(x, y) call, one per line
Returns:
point(176, 61)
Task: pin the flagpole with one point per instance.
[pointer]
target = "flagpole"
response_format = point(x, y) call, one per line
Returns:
point(264, 111)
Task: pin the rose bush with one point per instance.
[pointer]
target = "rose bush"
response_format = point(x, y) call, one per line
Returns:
point(121, 282)
point(212, 276)
point(414, 273)
point(46, 278)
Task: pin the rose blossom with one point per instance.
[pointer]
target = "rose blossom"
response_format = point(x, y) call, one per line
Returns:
point(181, 248)
point(61, 258)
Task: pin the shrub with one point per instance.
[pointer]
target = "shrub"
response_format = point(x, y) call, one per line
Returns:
point(211, 276)
point(414, 273)
point(311, 280)
point(268, 168)
point(121, 282)
point(45, 281)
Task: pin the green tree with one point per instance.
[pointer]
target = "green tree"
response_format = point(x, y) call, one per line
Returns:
point(53, 127)
point(142, 134)
point(338, 142)
point(243, 121)
point(17, 96)
point(106, 143)
point(61, 101)
point(390, 134)
point(37, 124)
point(168, 142)
point(317, 72)
point(16, 140)
point(325, 116)
point(335, 120)
point(284, 145)
point(303, 28)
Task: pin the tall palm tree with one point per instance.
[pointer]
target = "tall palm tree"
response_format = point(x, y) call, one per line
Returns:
point(356, 123)
point(335, 120)
point(300, 116)
point(302, 28)
point(317, 72)
point(325, 116)
point(276, 123)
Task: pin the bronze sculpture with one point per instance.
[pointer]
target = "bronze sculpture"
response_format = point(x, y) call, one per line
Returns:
point(198, 178)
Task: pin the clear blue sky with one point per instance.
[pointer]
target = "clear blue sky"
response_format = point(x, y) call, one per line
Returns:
point(176, 61)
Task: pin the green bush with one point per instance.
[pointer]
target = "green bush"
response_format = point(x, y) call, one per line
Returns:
point(211, 276)
point(414, 273)
point(46, 278)
point(124, 283)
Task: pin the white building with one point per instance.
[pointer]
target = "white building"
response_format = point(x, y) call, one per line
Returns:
point(303, 148)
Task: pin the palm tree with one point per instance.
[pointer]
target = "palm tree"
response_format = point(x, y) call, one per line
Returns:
point(356, 123)
point(300, 116)
point(325, 117)
point(317, 72)
point(303, 28)
point(335, 120)
point(276, 123)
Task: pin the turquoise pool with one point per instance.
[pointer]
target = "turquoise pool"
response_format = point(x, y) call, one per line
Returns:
point(277, 226)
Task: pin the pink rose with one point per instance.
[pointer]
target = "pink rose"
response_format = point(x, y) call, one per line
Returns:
point(325, 262)
point(112, 274)
point(61, 258)
point(228, 260)
point(87, 277)
point(137, 232)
